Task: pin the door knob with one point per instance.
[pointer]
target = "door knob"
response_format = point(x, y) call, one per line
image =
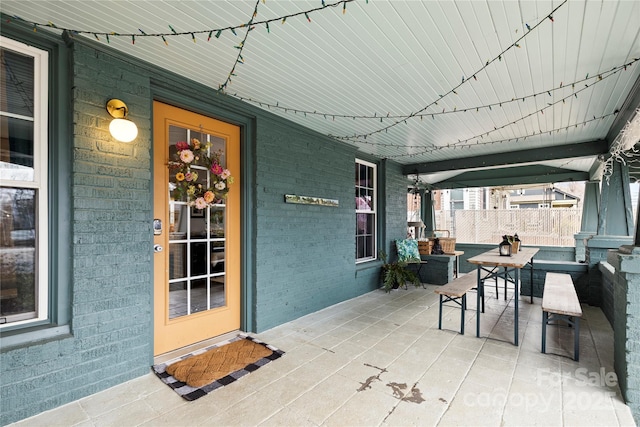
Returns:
point(157, 248)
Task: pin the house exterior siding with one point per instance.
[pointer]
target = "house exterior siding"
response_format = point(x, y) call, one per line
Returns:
point(297, 259)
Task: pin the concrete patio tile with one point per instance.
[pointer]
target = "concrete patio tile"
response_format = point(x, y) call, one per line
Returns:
point(349, 349)
point(426, 413)
point(364, 340)
point(404, 371)
point(589, 417)
point(380, 359)
point(67, 415)
point(117, 397)
point(286, 342)
point(250, 411)
point(165, 400)
point(365, 408)
point(377, 358)
point(324, 399)
point(132, 413)
point(459, 354)
point(623, 412)
point(288, 417)
point(498, 376)
point(475, 404)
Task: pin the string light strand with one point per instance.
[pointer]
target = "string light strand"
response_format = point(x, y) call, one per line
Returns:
point(239, 59)
point(455, 88)
point(381, 117)
point(175, 33)
point(501, 141)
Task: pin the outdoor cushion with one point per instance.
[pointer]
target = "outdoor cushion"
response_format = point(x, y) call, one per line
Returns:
point(408, 250)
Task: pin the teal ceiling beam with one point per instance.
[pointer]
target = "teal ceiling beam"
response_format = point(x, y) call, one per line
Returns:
point(531, 174)
point(583, 149)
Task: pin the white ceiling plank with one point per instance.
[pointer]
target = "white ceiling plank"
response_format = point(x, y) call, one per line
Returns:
point(394, 57)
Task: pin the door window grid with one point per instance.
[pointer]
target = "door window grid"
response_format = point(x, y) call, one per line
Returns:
point(195, 244)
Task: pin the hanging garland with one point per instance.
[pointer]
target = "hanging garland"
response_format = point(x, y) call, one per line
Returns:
point(623, 150)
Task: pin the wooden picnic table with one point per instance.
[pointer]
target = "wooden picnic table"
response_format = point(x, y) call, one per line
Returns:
point(490, 265)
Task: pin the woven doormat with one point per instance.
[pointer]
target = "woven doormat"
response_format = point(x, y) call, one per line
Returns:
point(199, 373)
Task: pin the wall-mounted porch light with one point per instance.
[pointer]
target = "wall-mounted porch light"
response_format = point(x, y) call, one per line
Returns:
point(121, 128)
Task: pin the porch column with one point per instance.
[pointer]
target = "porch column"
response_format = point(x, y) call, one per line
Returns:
point(637, 238)
point(625, 263)
point(616, 216)
point(589, 226)
point(427, 212)
point(615, 228)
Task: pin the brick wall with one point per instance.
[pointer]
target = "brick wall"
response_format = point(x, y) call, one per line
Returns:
point(303, 256)
point(625, 277)
point(111, 258)
point(395, 213)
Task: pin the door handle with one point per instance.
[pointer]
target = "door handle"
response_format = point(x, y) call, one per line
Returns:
point(157, 248)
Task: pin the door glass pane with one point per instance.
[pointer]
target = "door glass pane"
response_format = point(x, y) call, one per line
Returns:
point(178, 299)
point(197, 277)
point(177, 260)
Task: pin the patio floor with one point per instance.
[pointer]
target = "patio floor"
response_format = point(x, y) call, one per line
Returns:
point(379, 359)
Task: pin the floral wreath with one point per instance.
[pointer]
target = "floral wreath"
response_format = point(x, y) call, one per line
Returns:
point(186, 180)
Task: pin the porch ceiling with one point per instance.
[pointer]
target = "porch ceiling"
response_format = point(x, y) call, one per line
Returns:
point(448, 89)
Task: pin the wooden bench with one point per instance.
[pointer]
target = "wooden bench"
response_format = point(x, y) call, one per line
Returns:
point(456, 291)
point(560, 303)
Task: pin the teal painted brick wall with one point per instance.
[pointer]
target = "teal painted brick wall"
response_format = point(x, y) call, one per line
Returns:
point(111, 233)
point(623, 274)
point(305, 253)
point(303, 256)
point(395, 213)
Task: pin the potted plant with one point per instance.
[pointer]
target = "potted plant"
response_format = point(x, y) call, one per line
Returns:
point(396, 274)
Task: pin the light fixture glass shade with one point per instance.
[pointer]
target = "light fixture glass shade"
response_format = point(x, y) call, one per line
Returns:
point(123, 130)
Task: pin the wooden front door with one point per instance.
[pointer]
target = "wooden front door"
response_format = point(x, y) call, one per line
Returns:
point(196, 251)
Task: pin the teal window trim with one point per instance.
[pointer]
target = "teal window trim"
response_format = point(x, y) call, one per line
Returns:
point(58, 323)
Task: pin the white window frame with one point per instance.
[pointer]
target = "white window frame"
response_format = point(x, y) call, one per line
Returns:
point(373, 211)
point(41, 172)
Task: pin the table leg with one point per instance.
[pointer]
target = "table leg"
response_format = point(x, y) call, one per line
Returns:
point(457, 266)
point(531, 280)
point(516, 297)
point(545, 319)
point(506, 274)
point(480, 285)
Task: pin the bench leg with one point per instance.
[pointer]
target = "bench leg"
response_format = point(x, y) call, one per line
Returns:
point(464, 307)
point(545, 319)
point(440, 314)
point(576, 339)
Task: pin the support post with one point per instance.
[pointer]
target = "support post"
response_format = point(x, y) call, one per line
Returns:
point(590, 212)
